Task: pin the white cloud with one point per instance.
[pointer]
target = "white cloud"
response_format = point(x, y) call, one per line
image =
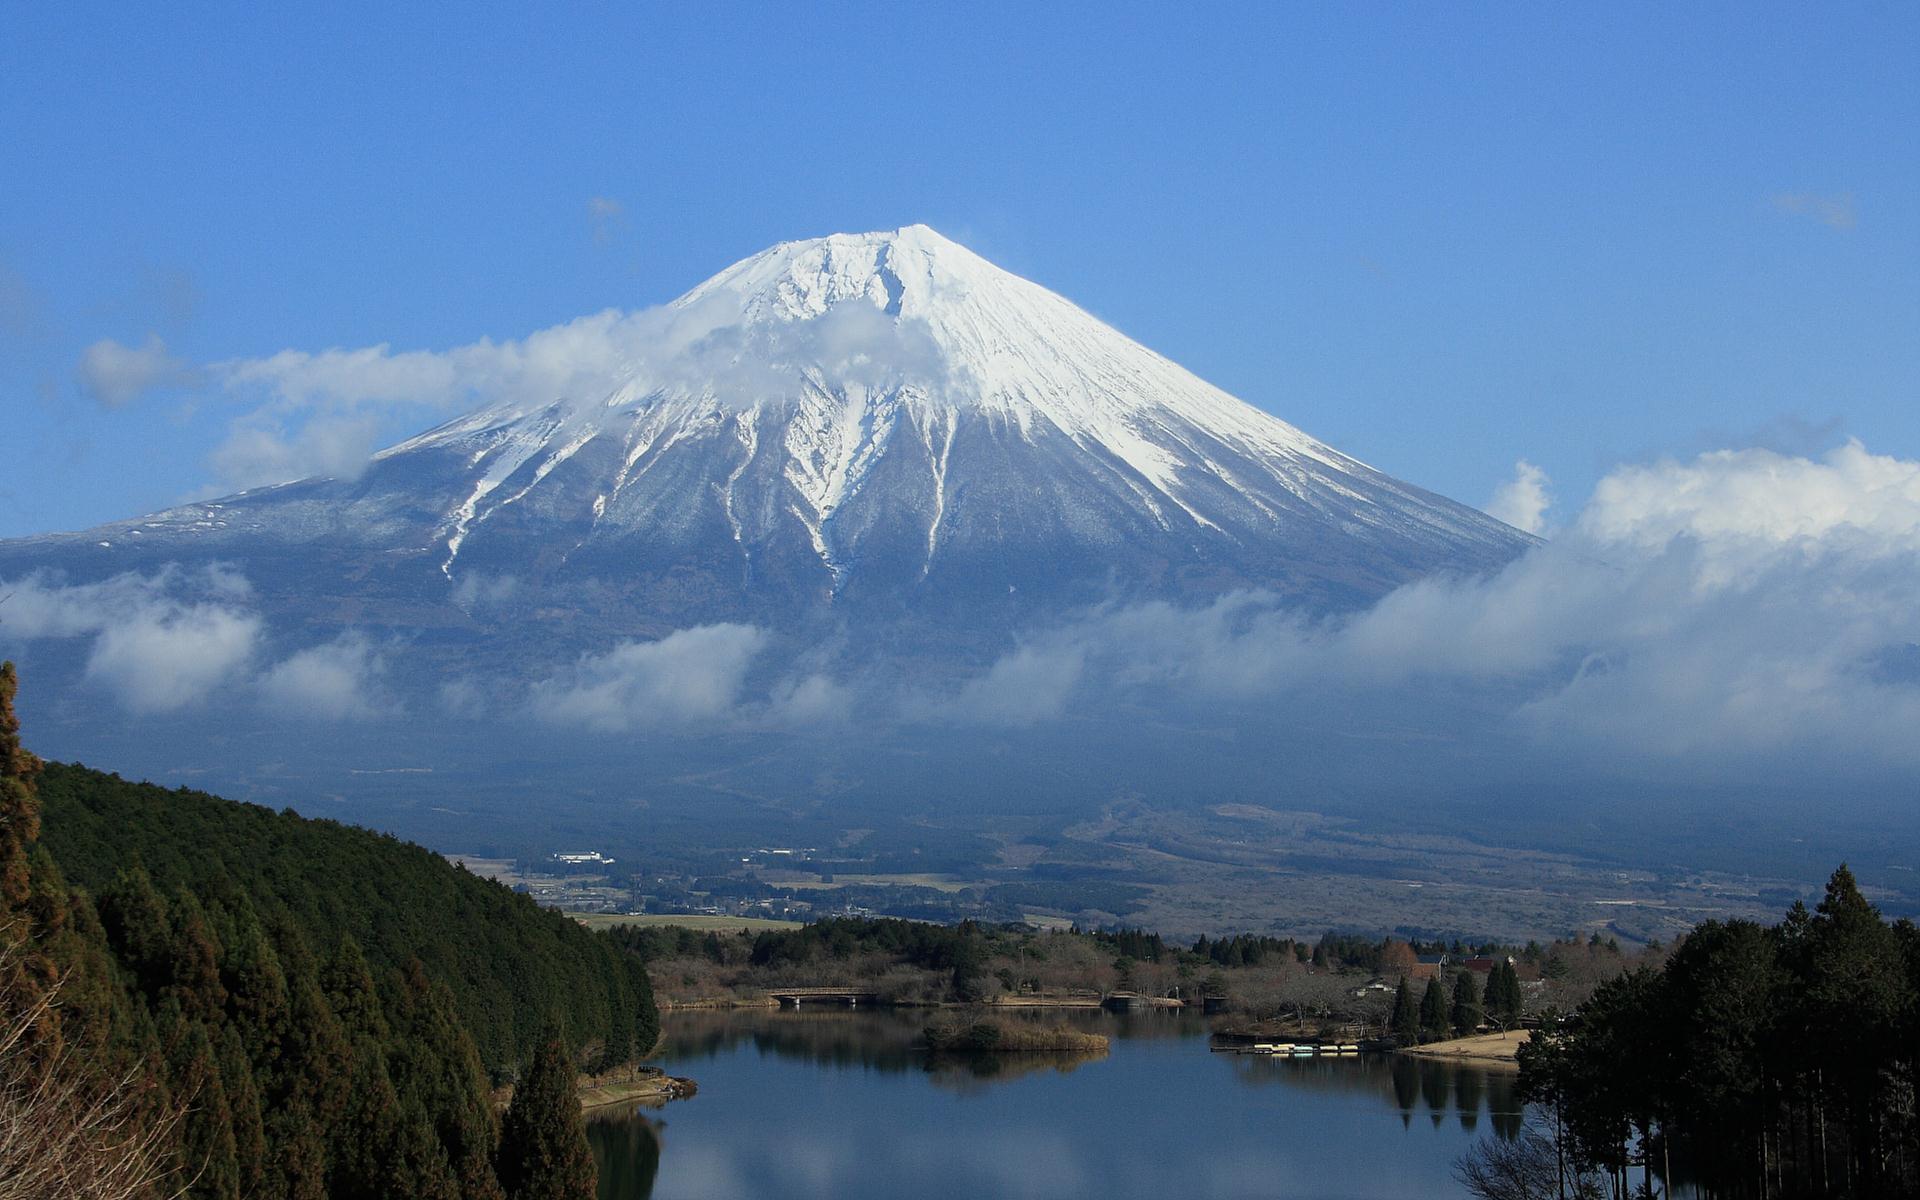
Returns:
point(1031, 684)
point(604, 215)
point(163, 661)
point(1835, 211)
point(1523, 501)
point(161, 642)
point(323, 413)
point(336, 681)
point(809, 700)
point(1729, 610)
point(691, 675)
point(1761, 499)
point(479, 590)
point(465, 697)
point(116, 375)
point(258, 451)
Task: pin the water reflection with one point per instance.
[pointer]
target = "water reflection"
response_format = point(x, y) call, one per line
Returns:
point(1414, 1086)
point(626, 1150)
point(844, 1104)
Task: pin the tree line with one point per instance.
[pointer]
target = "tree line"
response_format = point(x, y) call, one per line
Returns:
point(1755, 1061)
point(1458, 1010)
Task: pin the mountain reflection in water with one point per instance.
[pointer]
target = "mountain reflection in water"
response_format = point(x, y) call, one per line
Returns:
point(846, 1104)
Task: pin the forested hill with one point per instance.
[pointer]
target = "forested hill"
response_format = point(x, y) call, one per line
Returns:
point(215, 1001)
point(511, 965)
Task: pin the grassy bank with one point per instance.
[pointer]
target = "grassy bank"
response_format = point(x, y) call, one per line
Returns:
point(1486, 1048)
point(649, 1086)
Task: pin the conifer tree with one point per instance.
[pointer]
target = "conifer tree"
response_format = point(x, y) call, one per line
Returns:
point(543, 1141)
point(1504, 999)
point(243, 1101)
point(194, 960)
point(32, 975)
point(348, 983)
point(256, 990)
point(139, 928)
point(296, 1152)
point(1406, 1014)
point(366, 1155)
point(434, 1065)
point(1433, 1012)
point(417, 1167)
point(1465, 1013)
point(19, 808)
point(206, 1154)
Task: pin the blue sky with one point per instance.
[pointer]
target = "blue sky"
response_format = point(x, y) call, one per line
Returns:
point(1441, 239)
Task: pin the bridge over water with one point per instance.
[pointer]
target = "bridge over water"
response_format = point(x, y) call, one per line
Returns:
point(851, 997)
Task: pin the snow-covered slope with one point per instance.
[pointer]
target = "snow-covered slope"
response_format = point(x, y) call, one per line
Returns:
point(875, 427)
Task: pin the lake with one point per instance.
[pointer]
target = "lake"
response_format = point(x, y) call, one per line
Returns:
point(841, 1104)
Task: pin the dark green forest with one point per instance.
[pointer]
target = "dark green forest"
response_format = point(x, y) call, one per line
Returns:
point(1756, 1061)
point(217, 1000)
point(510, 965)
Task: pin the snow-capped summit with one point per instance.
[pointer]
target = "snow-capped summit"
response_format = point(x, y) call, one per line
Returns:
point(880, 427)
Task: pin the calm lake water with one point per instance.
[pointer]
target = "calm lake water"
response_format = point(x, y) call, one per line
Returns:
point(840, 1104)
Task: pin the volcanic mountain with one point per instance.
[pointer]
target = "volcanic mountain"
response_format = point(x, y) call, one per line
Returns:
point(877, 430)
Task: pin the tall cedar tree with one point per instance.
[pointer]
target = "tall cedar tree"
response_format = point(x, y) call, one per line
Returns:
point(1504, 1000)
point(1406, 1013)
point(1465, 1014)
point(19, 810)
point(1433, 1012)
point(543, 1141)
point(34, 974)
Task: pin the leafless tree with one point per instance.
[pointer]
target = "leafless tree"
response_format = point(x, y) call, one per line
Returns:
point(66, 1134)
point(1526, 1168)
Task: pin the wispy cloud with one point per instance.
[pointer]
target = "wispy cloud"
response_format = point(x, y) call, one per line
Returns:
point(1523, 501)
point(688, 677)
point(1735, 608)
point(1835, 211)
point(322, 413)
point(605, 216)
point(341, 680)
point(116, 375)
point(160, 642)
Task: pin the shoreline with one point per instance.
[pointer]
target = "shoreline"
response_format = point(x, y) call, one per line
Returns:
point(1487, 1049)
point(649, 1087)
point(646, 1086)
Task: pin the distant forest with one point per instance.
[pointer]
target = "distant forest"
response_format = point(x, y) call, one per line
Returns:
point(216, 1000)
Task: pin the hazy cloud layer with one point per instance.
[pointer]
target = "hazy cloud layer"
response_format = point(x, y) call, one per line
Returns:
point(1743, 605)
point(691, 675)
point(161, 642)
point(342, 680)
point(178, 639)
point(1734, 614)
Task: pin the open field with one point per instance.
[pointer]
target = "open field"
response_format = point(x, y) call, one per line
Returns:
point(688, 921)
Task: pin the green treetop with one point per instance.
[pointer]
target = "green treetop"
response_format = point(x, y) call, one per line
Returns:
point(1465, 1013)
point(543, 1141)
point(1434, 1024)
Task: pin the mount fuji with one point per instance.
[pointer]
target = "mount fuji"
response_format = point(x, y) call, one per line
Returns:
point(877, 432)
